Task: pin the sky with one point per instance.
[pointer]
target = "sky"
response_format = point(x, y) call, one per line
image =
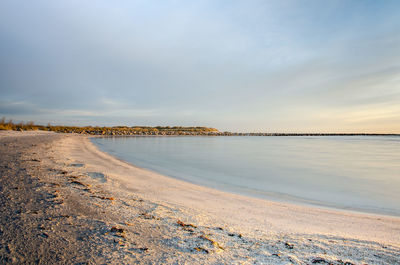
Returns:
point(246, 66)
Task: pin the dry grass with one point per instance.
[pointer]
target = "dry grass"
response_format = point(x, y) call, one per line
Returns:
point(116, 130)
point(213, 242)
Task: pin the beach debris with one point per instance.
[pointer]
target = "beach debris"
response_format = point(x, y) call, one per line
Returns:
point(105, 198)
point(76, 165)
point(118, 231)
point(44, 235)
point(200, 249)
point(148, 216)
point(233, 234)
point(141, 250)
point(186, 226)
point(79, 183)
point(213, 242)
point(88, 190)
point(119, 242)
point(35, 160)
point(344, 262)
point(319, 260)
point(289, 245)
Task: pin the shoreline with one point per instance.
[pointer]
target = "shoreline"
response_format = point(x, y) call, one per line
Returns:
point(267, 196)
point(181, 186)
point(275, 197)
point(150, 218)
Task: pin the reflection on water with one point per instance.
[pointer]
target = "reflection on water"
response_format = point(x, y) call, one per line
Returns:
point(350, 172)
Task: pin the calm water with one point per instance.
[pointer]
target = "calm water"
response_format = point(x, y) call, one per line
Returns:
point(355, 172)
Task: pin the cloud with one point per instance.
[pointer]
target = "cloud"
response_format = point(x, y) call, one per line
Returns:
point(18, 108)
point(237, 65)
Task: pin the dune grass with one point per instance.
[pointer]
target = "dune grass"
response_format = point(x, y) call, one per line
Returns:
point(115, 130)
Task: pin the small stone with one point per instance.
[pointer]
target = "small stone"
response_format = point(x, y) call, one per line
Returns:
point(318, 260)
point(200, 249)
point(44, 235)
point(288, 245)
point(117, 230)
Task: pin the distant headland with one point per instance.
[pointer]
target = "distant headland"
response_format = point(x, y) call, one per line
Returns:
point(156, 130)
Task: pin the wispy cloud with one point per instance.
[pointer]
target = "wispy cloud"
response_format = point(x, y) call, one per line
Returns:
point(256, 65)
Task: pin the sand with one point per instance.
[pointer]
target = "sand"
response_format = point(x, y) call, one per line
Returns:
point(64, 201)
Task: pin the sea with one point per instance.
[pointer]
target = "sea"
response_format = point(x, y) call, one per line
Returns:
point(356, 173)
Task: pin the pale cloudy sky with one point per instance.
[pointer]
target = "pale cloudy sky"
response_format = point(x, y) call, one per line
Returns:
point(281, 66)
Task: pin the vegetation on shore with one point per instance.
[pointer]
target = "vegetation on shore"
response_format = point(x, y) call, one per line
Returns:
point(116, 130)
point(158, 130)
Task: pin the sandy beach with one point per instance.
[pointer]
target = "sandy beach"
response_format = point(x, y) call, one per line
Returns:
point(64, 201)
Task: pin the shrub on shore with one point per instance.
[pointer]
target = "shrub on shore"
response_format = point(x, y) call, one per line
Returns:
point(10, 125)
point(116, 130)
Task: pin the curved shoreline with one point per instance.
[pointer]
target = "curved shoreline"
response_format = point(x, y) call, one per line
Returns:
point(251, 214)
point(65, 201)
point(251, 193)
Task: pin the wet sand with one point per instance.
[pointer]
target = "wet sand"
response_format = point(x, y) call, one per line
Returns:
point(64, 201)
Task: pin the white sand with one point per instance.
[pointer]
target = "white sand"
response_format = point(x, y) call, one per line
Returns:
point(227, 228)
point(250, 214)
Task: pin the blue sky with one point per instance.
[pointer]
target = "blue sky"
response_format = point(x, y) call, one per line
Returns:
point(282, 66)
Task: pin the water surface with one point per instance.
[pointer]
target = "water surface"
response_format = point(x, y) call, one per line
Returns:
point(348, 172)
